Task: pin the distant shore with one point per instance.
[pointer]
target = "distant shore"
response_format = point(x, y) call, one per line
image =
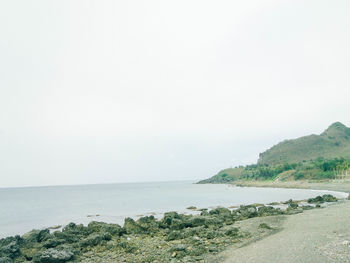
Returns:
point(331, 185)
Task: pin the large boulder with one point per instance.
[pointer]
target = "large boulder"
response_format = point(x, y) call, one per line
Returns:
point(131, 227)
point(173, 221)
point(245, 211)
point(148, 223)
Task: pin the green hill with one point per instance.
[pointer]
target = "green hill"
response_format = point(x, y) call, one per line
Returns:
point(313, 157)
point(332, 143)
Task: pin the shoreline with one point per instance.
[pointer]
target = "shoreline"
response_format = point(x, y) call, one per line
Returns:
point(173, 238)
point(342, 186)
point(202, 196)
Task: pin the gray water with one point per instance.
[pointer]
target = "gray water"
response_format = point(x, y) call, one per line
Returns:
point(23, 209)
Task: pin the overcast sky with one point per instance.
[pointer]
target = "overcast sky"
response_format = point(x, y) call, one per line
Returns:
point(124, 91)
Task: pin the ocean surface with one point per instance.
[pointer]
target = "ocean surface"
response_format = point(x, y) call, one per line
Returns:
point(23, 209)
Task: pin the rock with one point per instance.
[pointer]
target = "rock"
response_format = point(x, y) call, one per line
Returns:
point(178, 247)
point(322, 199)
point(95, 239)
point(177, 224)
point(36, 236)
point(127, 246)
point(5, 260)
point(10, 250)
point(131, 227)
point(220, 211)
point(195, 221)
point(268, 210)
point(246, 211)
point(175, 235)
point(67, 237)
point(212, 234)
point(53, 255)
point(168, 219)
point(213, 221)
point(191, 208)
point(329, 198)
point(113, 229)
point(232, 232)
point(53, 242)
point(264, 226)
point(148, 223)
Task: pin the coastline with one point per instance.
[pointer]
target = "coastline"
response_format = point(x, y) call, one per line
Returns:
point(332, 185)
point(209, 236)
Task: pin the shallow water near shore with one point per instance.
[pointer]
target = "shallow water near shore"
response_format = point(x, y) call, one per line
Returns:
point(23, 209)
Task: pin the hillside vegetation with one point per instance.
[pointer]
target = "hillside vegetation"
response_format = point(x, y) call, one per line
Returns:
point(332, 143)
point(314, 157)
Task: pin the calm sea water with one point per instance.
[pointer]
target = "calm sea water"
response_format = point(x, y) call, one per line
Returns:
point(23, 209)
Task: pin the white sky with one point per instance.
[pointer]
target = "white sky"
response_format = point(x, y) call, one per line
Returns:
point(121, 91)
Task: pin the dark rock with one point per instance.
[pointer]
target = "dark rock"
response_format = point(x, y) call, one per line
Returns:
point(212, 234)
point(175, 235)
point(113, 229)
point(95, 239)
point(329, 198)
point(6, 260)
point(322, 199)
point(220, 211)
point(53, 242)
point(10, 250)
point(131, 227)
point(268, 210)
point(168, 219)
point(213, 221)
point(178, 247)
point(293, 205)
point(148, 223)
point(127, 246)
point(36, 236)
point(264, 226)
point(67, 236)
point(232, 232)
point(195, 221)
point(246, 211)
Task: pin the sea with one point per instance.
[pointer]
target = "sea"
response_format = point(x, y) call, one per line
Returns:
point(24, 209)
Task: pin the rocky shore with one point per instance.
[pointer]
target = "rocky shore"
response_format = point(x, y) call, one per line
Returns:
point(173, 238)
